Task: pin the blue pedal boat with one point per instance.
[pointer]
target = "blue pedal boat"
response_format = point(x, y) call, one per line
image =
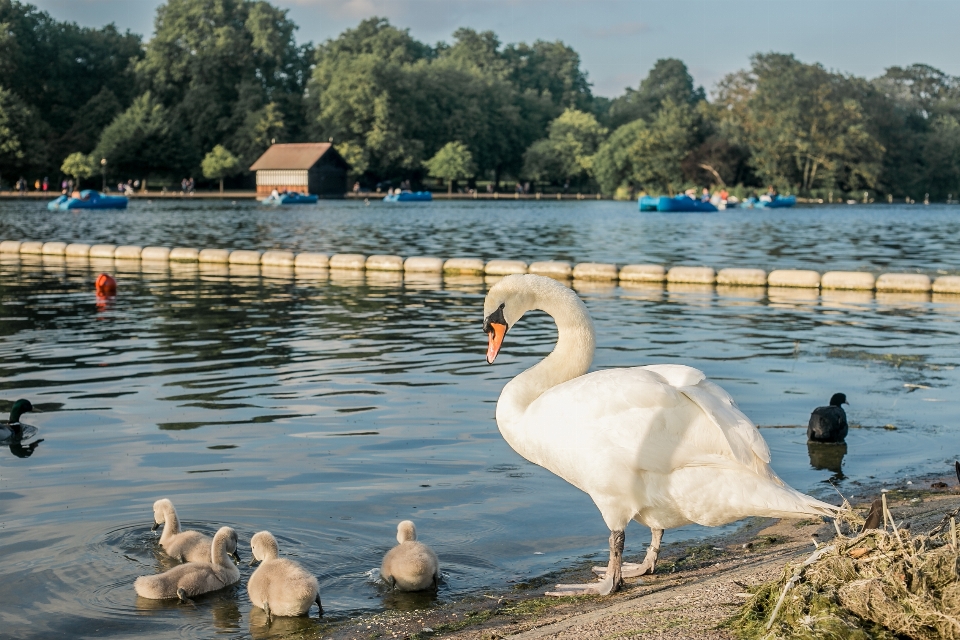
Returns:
point(290, 197)
point(409, 196)
point(676, 204)
point(780, 202)
point(88, 199)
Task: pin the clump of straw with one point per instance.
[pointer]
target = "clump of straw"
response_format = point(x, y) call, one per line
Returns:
point(882, 583)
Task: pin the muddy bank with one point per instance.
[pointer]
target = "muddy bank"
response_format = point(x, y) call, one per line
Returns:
point(698, 586)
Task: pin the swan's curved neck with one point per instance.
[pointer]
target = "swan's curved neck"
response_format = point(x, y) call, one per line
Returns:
point(570, 358)
point(219, 551)
point(171, 524)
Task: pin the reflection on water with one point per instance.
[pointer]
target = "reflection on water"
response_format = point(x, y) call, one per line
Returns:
point(827, 456)
point(328, 406)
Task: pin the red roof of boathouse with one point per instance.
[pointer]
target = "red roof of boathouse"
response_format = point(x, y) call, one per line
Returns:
point(298, 155)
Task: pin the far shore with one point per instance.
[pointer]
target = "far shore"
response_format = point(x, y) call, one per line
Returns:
point(373, 197)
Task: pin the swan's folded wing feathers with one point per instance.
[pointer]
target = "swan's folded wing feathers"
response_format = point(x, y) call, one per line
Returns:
point(742, 435)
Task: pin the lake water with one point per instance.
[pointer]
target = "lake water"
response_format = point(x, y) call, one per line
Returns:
point(326, 408)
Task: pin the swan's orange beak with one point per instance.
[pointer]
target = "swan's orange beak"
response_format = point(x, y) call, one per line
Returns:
point(495, 340)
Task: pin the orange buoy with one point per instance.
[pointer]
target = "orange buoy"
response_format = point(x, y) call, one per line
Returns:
point(106, 285)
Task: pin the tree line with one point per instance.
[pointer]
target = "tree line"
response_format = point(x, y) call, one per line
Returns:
point(221, 80)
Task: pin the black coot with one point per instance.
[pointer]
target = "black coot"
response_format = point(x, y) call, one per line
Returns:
point(829, 424)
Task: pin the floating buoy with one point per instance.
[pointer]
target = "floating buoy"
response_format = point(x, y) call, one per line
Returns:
point(106, 285)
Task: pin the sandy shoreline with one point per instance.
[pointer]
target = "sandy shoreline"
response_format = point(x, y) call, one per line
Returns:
point(699, 585)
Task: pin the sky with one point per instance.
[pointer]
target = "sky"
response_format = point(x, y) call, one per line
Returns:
point(620, 40)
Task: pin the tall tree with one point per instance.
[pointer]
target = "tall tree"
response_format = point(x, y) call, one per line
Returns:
point(21, 141)
point(452, 162)
point(651, 155)
point(911, 109)
point(144, 141)
point(58, 71)
point(213, 63)
point(567, 152)
point(805, 126)
point(669, 78)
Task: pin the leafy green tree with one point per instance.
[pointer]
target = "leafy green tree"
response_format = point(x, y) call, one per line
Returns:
point(648, 155)
point(357, 93)
point(355, 155)
point(220, 164)
point(452, 162)
point(942, 156)
point(669, 78)
point(613, 164)
point(144, 141)
point(567, 152)
point(218, 65)
point(56, 68)
point(911, 108)
point(78, 166)
point(805, 126)
point(21, 145)
point(259, 130)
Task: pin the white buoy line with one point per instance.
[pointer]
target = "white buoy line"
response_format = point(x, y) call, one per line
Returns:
point(600, 272)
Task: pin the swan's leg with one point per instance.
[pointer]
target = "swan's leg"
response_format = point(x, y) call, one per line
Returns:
point(319, 606)
point(182, 595)
point(609, 584)
point(266, 607)
point(634, 570)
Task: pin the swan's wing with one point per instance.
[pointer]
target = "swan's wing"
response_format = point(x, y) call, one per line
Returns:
point(742, 435)
point(629, 418)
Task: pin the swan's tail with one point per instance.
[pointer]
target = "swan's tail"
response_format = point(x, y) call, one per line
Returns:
point(155, 587)
point(733, 494)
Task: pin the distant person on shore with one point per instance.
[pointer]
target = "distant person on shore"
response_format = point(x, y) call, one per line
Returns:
point(22, 185)
point(46, 184)
point(705, 196)
point(724, 194)
point(356, 188)
point(36, 186)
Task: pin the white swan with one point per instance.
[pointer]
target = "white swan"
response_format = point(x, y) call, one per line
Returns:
point(185, 546)
point(659, 444)
point(411, 565)
point(195, 578)
point(279, 586)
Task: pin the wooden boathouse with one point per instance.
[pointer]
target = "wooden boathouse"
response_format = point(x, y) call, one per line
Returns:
point(311, 167)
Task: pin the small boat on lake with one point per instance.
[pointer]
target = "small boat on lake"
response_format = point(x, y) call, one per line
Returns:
point(290, 197)
point(409, 196)
point(766, 202)
point(677, 204)
point(87, 199)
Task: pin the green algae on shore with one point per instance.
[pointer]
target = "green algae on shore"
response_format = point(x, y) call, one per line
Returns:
point(878, 584)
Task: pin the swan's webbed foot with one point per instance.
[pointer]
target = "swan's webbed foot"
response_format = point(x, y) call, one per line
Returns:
point(182, 596)
point(630, 569)
point(612, 581)
point(603, 588)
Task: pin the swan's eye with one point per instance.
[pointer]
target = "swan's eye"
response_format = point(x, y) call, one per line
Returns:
point(495, 318)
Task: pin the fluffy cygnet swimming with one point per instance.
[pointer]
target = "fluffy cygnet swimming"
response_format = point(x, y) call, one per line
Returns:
point(279, 586)
point(195, 578)
point(411, 565)
point(185, 546)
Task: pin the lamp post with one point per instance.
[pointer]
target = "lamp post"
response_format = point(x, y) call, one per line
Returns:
point(103, 171)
